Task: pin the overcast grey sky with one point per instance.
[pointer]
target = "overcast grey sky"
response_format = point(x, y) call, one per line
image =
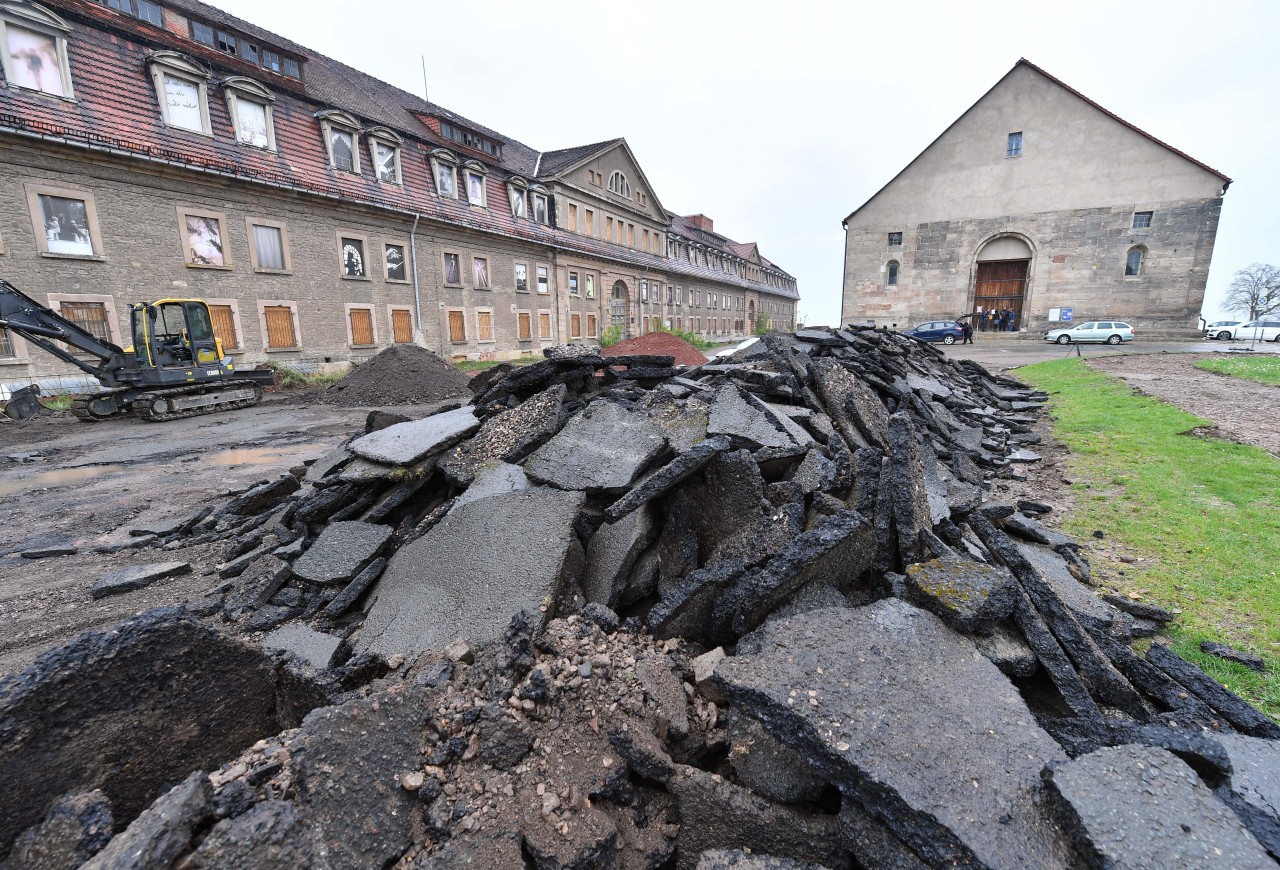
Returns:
point(778, 119)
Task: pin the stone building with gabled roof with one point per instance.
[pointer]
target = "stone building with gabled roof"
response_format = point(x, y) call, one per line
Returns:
point(153, 148)
point(1040, 201)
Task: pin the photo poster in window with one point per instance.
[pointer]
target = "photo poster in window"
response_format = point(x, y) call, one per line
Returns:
point(444, 181)
point(353, 258)
point(475, 188)
point(66, 225)
point(204, 241)
point(522, 278)
point(452, 269)
point(591, 286)
point(394, 257)
point(480, 271)
point(251, 123)
point(517, 202)
point(540, 209)
point(543, 286)
point(573, 283)
point(34, 60)
point(182, 98)
point(386, 162)
point(343, 150)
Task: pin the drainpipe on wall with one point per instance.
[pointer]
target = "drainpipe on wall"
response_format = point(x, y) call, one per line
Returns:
point(555, 280)
point(413, 255)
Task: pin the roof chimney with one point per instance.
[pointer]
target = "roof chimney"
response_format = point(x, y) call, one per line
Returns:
point(701, 221)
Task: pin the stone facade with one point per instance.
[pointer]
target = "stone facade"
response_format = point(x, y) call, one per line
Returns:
point(115, 149)
point(1073, 199)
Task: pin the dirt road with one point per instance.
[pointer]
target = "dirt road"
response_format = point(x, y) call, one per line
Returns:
point(88, 484)
point(1242, 411)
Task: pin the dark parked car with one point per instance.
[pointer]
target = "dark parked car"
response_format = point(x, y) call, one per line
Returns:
point(945, 331)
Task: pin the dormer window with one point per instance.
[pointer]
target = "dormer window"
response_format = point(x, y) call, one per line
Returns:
point(143, 9)
point(618, 184)
point(249, 104)
point(541, 208)
point(470, 139)
point(33, 49)
point(516, 189)
point(474, 173)
point(444, 168)
point(340, 132)
point(384, 150)
point(182, 86)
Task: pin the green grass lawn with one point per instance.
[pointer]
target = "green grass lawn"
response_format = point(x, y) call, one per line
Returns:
point(476, 365)
point(1204, 515)
point(1263, 369)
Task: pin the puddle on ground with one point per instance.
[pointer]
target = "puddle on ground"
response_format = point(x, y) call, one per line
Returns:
point(251, 456)
point(57, 478)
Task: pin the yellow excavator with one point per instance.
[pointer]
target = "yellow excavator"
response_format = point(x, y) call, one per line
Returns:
point(175, 368)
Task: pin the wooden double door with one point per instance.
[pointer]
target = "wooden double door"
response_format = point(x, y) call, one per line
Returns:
point(1001, 285)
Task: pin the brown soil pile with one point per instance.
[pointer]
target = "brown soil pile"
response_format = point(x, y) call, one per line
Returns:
point(662, 343)
point(403, 374)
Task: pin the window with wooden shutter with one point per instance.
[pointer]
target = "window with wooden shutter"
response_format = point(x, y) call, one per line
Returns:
point(224, 326)
point(575, 326)
point(591, 326)
point(280, 332)
point(524, 326)
point(544, 325)
point(89, 316)
point(401, 326)
point(457, 326)
point(484, 326)
point(361, 325)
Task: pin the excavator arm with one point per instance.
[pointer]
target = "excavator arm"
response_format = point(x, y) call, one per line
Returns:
point(43, 326)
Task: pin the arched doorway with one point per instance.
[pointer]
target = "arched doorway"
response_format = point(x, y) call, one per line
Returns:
point(1000, 285)
point(619, 306)
point(751, 316)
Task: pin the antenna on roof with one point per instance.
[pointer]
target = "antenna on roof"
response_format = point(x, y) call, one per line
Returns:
point(425, 96)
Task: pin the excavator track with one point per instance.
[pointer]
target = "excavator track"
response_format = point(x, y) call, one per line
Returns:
point(150, 404)
point(92, 407)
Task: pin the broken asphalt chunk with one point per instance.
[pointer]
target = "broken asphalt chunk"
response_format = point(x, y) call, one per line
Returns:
point(406, 443)
point(602, 449)
point(137, 577)
point(340, 552)
point(956, 775)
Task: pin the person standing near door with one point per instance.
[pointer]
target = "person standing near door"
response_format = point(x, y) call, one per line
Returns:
point(967, 328)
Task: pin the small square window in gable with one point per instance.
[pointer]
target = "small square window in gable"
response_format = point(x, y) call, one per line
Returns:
point(1141, 219)
point(895, 240)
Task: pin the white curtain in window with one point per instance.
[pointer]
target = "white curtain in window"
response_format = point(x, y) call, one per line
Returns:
point(270, 247)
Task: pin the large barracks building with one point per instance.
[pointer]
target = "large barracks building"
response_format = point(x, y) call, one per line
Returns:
point(161, 149)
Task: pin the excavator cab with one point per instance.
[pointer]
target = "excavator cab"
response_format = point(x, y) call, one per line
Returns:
point(176, 334)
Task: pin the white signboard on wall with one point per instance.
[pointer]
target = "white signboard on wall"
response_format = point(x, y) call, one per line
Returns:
point(1055, 315)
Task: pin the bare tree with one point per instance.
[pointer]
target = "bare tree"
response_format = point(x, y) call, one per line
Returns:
point(1256, 290)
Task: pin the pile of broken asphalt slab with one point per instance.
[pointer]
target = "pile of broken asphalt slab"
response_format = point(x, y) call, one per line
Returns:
point(758, 613)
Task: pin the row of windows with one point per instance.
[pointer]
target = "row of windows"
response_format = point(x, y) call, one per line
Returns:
point(207, 34)
point(479, 327)
point(1141, 220)
point(1134, 262)
point(66, 225)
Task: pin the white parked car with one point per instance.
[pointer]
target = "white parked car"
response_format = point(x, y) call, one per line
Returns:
point(1108, 331)
point(1260, 330)
point(1220, 329)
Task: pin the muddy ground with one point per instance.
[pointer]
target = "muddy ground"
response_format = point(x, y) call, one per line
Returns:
point(88, 484)
point(92, 483)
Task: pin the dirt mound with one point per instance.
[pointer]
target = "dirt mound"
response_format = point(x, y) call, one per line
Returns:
point(659, 343)
point(403, 374)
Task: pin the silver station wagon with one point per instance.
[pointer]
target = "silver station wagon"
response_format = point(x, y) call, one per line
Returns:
point(1102, 331)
